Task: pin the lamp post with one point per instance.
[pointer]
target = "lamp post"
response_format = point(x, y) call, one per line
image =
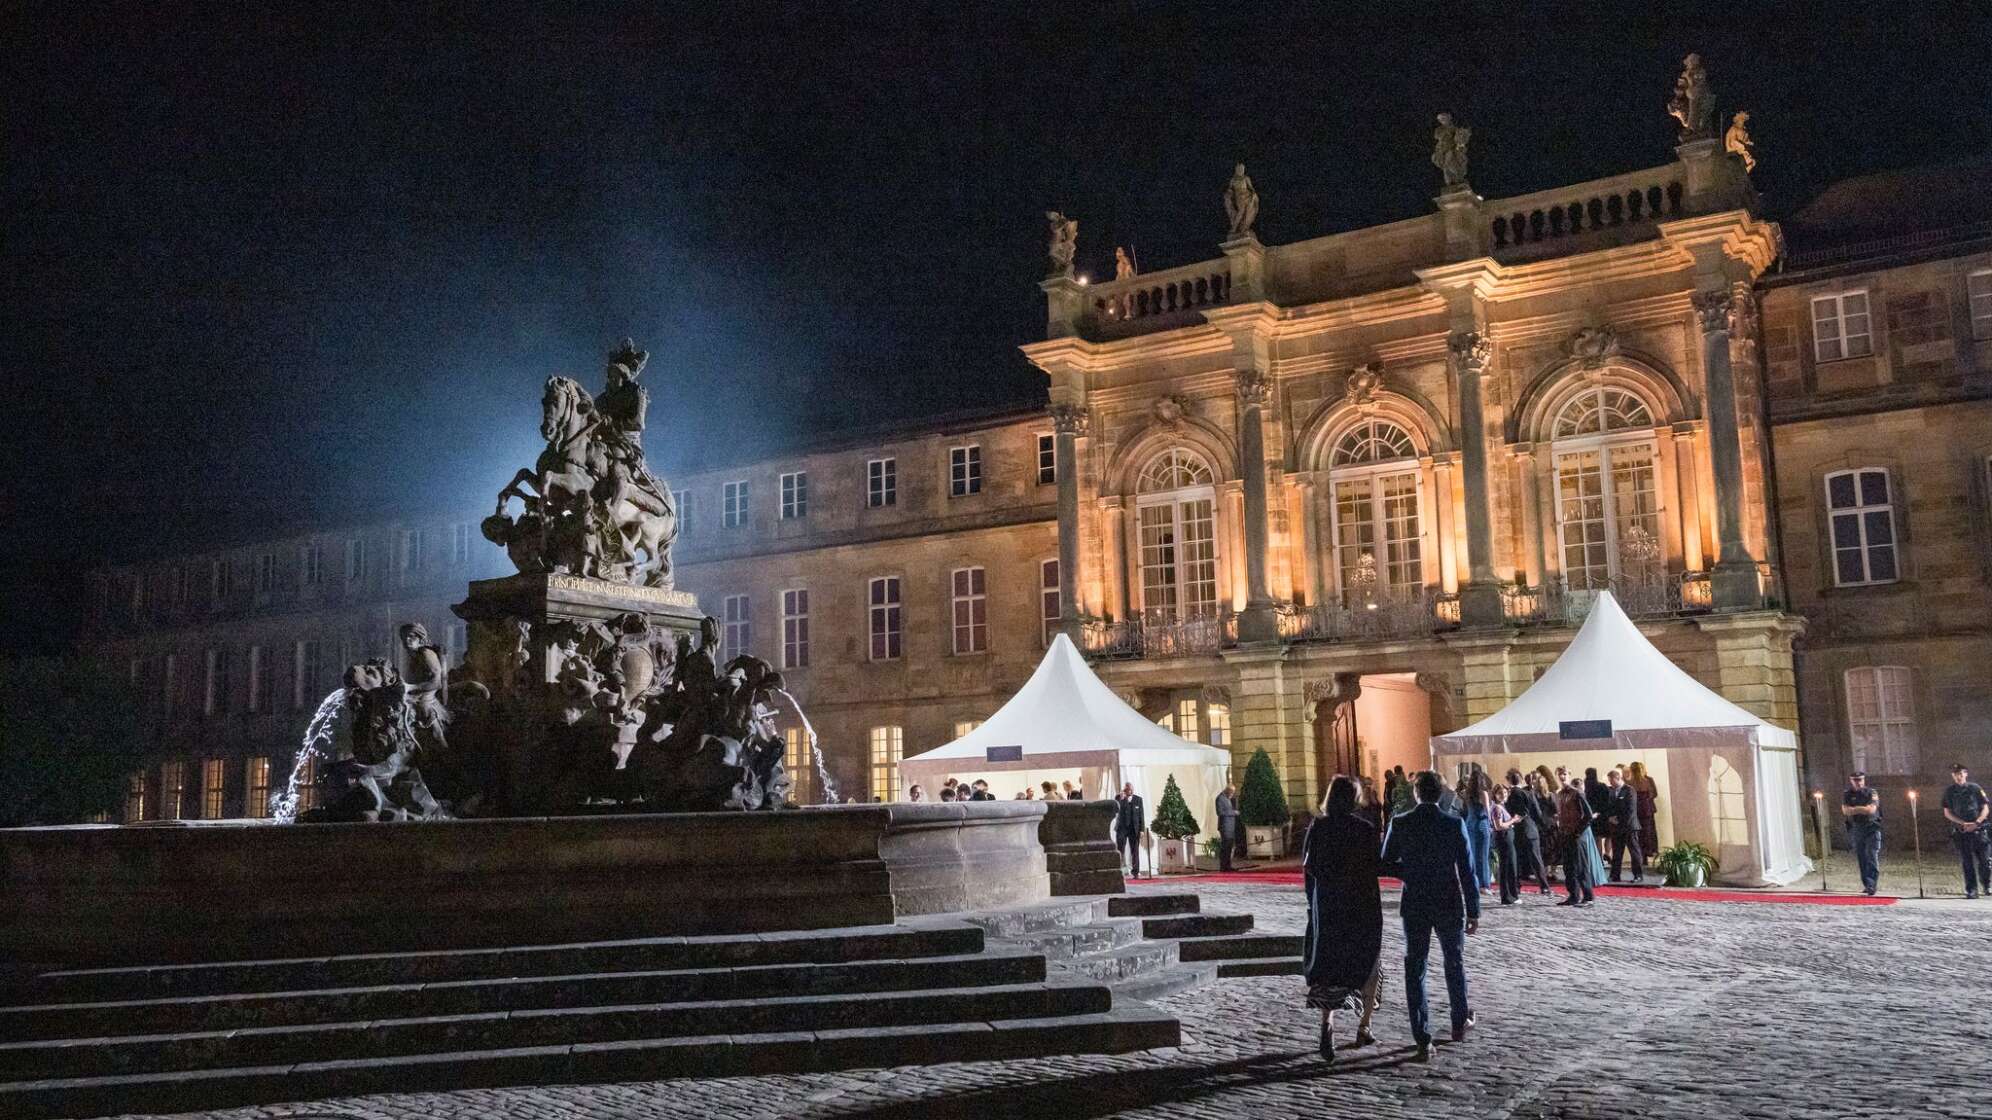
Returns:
point(1819, 826)
point(1916, 829)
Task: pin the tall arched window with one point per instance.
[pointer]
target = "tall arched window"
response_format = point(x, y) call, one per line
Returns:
point(1176, 500)
point(1373, 473)
point(1607, 494)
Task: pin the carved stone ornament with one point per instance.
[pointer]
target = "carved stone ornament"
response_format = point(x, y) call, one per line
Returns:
point(1737, 142)
point(1069, 419)
point(1449, 150)
point(1743, 314)
point(1241, 203)
point(1593, 346)
point(1216, 694)
point(1471, 351)
point(1714, 310)
point(1254, 387)
point(1693, 103)
point(1362, 383)
point(1172, 409)
point(1438, 687)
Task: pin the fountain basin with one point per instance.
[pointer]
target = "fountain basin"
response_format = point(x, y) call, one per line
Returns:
point(232, 890)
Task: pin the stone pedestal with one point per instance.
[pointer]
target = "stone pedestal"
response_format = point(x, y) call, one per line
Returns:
point(495, 607)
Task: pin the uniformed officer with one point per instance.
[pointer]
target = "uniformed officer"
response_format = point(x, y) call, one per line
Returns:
point(1966, 808)
point(1861, 807)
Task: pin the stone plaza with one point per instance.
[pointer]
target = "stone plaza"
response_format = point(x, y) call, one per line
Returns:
point(1657, 1008)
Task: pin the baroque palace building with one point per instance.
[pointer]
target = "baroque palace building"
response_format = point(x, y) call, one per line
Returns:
point(1327, 499)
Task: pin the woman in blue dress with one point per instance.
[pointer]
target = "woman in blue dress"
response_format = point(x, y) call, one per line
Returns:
point(1475, 805)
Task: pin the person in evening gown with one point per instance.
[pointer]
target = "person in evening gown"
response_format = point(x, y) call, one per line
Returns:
point(1340, 861)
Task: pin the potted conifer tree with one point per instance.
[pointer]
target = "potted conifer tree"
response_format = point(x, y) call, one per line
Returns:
point(1262, 806)
point(1176, 827)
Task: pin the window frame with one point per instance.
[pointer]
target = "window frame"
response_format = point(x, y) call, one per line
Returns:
point(1971, 302)
point(968, 609)
point(307, 668)
point(1841, 338)
point(964, 470)
point(681, 508)
point(1047, 458)
point(311, 565)
point(1898, 681)
point(216, 699)
point(1051, 601)
point(214, 788)
point(261, 677)
point(1180, 569)
point(1859, 512)
point(795, 627)
point(734, 496)
point(795, 495)
point(256, 786)
point(736, 625)
point(882, 482)
point(886, 750)
point(885, 618)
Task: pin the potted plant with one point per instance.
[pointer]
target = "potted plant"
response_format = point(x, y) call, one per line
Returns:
point(1688, 864)
point(1262, 807)
point(1176, 827)
point(1209, 860)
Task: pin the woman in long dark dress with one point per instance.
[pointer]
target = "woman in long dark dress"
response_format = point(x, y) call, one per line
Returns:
point(1340, 857)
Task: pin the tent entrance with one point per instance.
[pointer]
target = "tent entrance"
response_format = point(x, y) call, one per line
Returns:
point(1373, 722)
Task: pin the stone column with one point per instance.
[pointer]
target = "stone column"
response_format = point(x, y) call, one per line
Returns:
point(1480, 592)
point(1068, 422)
point(1255, 391)
point(1736, 585)
point(1064, 305)
point(1466, 233)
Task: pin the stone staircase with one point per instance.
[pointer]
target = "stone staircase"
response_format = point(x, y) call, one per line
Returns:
point(95, 1042)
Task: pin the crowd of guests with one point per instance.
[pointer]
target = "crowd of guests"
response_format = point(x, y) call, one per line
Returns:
point(978, 790)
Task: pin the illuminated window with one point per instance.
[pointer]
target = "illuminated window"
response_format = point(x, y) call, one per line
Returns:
point(1727, 806)
point(733, 507)
point(1863, 517)
point(1176, 523)
point(214, 779)
point(964, 726)
point(1186, 718)
point(883, 596)
point(1597, 411)
point(1220, 724)
point(795, 495)
point(886, 745)
point(795, 628)
point(256, 787)
point(739, 630)
point(138, 797)
point(1840, 327)
point(259, 679)
point(1979, 287)
point(1047, 458)
point(215, 699)
point(307, 782)
point(306, 661)
point(1050, 613)
point(1881, 719)
point(1373, 441)
point(881, 483)
point(172, 790)
point(1607, 493)
point(964, 471)
point(971, 611)
point(798, 761)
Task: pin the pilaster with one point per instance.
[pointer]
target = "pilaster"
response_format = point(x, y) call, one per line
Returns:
point(1255, 392)
point(1265, 712)
point(1069, 422)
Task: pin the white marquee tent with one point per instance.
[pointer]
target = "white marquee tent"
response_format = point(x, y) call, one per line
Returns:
point(1727, 779)
point(1065, 725)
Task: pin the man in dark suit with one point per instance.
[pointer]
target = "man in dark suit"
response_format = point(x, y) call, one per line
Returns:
point(1427, 849)
point(1227, 826)
point(1130, 821)
point(1624, 825)
point(1528, 812)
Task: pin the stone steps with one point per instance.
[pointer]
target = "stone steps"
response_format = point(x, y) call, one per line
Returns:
point(1152, 905)
point(1069, 942)
point(1125, 962)
point(1237, 947)
point(1259, 966)
point(1012, 924)
point(1122, 1030)
point(242, 1010)
point(1196, 925)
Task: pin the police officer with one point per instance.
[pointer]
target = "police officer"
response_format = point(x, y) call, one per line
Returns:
point(1861, 807)
point(1966, 808)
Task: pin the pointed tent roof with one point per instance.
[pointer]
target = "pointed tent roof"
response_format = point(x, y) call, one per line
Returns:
point(1610, 671)
point(1065, 709)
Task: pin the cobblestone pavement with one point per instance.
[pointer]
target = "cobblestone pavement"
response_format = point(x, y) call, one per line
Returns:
point(1631, 1008)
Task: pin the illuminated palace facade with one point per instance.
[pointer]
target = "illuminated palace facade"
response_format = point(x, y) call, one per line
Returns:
point(1326, 498)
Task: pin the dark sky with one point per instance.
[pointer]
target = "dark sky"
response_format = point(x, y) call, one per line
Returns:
point(266, 268)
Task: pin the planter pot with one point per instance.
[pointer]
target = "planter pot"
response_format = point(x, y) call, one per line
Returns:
point(1173, 855)
point(1688, 875)
point(1265, 843)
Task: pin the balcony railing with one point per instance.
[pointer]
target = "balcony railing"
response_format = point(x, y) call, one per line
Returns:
point(1558, 602)
point(1161, 635)
point(1381, 613)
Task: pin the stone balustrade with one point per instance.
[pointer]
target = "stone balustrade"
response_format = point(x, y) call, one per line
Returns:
point(1639, 198)
point(1188, 288)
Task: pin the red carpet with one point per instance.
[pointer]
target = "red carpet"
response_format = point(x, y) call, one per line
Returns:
point(1291, 878)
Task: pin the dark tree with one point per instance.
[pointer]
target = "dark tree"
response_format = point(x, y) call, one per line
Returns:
point(70, 737)
point(1173, 820)
point(1261, 801)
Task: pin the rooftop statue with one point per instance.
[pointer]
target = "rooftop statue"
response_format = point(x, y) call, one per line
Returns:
point(1737, 142)
point(1241, 203)
point(1064, 242)
point(1694, 101)
point(1123, 263)
point(591, 506)
point(1449, 150)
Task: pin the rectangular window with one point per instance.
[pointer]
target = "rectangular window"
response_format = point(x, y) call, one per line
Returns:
point(1378, 542)
point(1220, 724)
point(256, 788)
point(215, 699)
point(1863, 527)
point(964, 726)
point(411, 550)
point(795, 495)
point(138, 798)
point(172, 790)
point(1050, 611)
point(885, 620)
point(738, 633)
point(259, 678)
point(214, 780)
point(800, 763)
point(733, 513)
point(1608, 515)
point(886, 745)
point(1979, 287)
point(305, 670)
point(1178, 559)
point(1186, 718)
point(266, 574)
point(1047, 458)
point(311, 564)
point(1881, 719)
point(1840, 327)
point(971, 611)
point(356, 559)
point(168, 681)
point(180, 589)
point(795, 629)
point(221, 580)
point(882, 483)
point(964, 471)
point(681, 502)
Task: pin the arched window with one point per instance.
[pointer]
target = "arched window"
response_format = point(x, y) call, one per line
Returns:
point(1728, 808)
point(1175, 507)
point(1379, 544)
point(1607, 492)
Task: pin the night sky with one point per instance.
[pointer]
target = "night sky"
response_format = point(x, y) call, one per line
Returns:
point(265, 270)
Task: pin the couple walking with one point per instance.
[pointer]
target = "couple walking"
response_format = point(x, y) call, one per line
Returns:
point(1428, 850)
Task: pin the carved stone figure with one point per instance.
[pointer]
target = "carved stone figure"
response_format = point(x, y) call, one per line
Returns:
point(1064, 242)
point(1737, 142)
point(1693, 104)
point(1363, 382)
point(1241, 203)
point(1172, 409)
point(1123, 263)
point(1593, 346)
point(381, 779)
point(1471, 352)
point(1449, 150)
